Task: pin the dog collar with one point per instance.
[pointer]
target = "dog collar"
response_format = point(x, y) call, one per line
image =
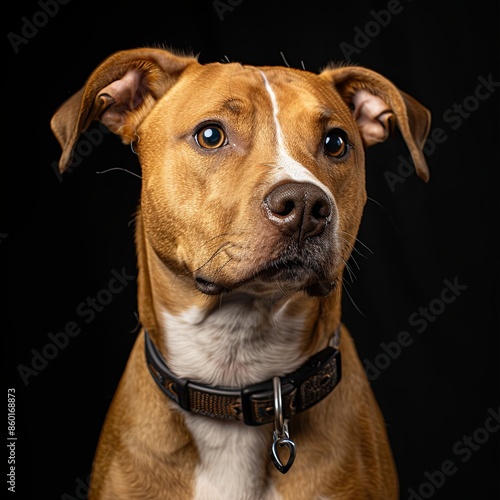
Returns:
point(254, 404)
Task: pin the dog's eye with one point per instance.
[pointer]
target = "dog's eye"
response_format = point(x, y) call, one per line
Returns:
point(211, 137)
point(336, 144)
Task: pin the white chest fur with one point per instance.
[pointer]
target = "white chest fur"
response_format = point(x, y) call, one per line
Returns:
point(233, 460)
point(242, 343)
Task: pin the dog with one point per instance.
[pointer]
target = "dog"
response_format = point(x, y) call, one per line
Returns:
point(243, 383)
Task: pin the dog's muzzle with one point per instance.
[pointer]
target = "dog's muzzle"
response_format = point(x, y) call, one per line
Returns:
point(298, 217)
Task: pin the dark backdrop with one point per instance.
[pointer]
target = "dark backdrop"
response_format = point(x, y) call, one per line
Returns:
point(422, 300)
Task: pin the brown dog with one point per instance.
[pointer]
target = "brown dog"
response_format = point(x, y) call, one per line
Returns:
point(253, 186)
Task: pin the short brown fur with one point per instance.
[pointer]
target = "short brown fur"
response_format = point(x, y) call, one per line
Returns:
point(190, 199)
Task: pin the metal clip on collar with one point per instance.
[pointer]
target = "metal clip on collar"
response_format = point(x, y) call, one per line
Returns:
point(281, 436)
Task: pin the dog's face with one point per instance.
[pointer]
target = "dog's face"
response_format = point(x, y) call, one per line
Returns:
point(252, 178)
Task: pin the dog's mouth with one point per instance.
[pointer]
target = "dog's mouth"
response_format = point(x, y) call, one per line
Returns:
point(284, 274)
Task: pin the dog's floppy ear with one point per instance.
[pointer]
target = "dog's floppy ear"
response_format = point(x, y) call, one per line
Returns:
point(119, 93)
point(378, 105)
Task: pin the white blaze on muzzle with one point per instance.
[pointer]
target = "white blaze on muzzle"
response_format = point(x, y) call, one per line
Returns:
point(287, 167)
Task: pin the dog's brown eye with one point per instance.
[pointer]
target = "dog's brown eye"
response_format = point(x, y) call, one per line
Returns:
point(336, 143)
point(211, 137)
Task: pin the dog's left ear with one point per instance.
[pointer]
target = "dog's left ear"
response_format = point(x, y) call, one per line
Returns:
point(378, 105)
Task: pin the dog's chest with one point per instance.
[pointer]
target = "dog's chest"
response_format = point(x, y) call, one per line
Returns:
point(238, 345)
point(233, 460)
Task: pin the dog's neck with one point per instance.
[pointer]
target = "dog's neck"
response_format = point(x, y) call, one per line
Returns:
point(243, 341)
point(232, 339)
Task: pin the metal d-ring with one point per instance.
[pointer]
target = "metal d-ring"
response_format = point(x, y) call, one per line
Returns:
point(281, 438)
point(279, 421)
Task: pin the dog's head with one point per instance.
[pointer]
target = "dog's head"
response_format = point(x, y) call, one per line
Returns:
point(252, 177)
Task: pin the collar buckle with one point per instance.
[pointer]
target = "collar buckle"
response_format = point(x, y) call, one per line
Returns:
point(257, 401)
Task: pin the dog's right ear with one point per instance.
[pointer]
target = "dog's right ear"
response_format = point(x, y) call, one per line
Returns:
point(120, 92)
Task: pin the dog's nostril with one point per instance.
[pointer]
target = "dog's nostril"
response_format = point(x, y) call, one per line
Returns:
point(286, 208)
point(321, 209)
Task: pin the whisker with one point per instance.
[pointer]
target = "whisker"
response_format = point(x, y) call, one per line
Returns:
point(118, 168)
point(352, 300)
point(224, 265)
point(187, 272)
point(355, 262)
point(218, 236)
point(354, 249)
point(359, 241)
point(137, 325)
point(349, 271)
point(284, 59)
point(221, 247)
point(386, 213)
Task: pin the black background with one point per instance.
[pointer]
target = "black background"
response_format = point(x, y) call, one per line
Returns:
point(63, 237)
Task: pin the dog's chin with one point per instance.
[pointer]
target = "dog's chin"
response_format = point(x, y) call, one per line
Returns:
point(278, 277)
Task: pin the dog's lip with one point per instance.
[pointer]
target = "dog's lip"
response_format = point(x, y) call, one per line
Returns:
point(296, 269)
point(281, 266)
point(282, 269)
point(209, 287)
point(268, 271)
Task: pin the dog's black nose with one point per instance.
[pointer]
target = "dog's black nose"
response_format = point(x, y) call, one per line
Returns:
point(300, 210)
